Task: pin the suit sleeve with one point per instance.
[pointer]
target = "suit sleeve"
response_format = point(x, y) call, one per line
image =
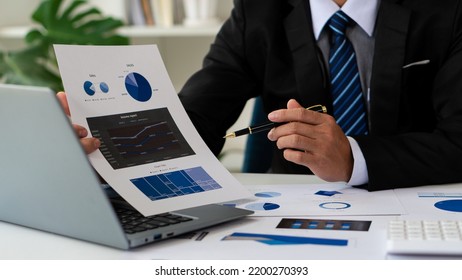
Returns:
point(215, 96)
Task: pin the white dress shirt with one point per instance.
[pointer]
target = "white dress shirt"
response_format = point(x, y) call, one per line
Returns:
point(364, 13)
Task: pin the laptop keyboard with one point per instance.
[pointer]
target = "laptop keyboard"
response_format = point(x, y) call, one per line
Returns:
point(134, 222)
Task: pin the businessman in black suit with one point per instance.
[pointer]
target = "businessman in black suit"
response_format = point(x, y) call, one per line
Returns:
point(409, 55)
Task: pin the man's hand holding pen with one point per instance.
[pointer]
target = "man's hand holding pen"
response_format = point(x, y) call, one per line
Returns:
point(313, 140)
point(269, 125)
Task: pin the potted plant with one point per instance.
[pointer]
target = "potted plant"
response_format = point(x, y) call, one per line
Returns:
point(59, 22)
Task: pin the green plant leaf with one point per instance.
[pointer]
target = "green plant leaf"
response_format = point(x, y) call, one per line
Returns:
point(27, 68)
point(77, 24)
point(70, 10)
point(61, 22)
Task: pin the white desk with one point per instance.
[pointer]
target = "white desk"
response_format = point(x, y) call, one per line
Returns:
point(18, 242)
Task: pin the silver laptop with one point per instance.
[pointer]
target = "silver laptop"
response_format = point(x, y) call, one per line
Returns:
point(47, 182)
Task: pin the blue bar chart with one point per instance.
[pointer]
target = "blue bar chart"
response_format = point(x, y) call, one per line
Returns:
point(177, 183)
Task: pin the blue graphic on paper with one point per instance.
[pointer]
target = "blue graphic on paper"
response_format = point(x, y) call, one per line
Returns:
point(267, 194)
point(327, 193)
point(335, 205)
point(262, 206)
point(454, 205)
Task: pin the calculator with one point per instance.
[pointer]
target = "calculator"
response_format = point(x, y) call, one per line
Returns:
point(424, 237)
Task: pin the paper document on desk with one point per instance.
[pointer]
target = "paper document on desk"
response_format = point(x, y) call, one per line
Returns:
point(319, 200)
point(151, 153)
point(437, 202)
point(215, 243)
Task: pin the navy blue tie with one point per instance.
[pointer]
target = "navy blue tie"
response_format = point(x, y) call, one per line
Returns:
point(349, 109)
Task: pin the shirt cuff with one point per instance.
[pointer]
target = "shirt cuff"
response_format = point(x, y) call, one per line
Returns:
point(359, 176)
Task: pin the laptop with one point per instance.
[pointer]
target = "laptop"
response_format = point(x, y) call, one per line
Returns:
point(47, 182)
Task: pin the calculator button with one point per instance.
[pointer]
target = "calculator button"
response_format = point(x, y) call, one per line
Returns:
point(425, 237)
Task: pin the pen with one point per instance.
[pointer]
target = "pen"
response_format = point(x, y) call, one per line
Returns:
point(269, 125)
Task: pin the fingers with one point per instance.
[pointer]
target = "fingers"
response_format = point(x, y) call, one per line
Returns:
point(301, 122)
point(80, 131)
point(333, 163)
point(90, 144)
point(296, 113)
point(313, 140)
point(293, 104)
point(327, 154)
point(297, 141)
point(63, 100)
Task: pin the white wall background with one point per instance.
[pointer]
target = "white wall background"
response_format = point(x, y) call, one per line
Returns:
point(17, 12)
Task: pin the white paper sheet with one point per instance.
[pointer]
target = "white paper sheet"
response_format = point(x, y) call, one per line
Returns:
point(432, 202)
point(151, 153)
point(210, 244)
point(320, 200)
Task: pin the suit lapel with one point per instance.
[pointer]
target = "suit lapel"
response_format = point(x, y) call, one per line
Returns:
point(310, 77)
point(390, 44)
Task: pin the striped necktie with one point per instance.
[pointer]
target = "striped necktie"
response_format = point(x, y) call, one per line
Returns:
point(349, 109)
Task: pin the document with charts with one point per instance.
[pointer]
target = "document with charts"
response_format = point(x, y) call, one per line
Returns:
point(151, 153)
point(330, 199)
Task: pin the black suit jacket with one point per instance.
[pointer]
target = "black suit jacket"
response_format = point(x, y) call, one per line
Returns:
point(267, 48)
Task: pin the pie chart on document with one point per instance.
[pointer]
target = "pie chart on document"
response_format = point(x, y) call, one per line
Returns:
point(266, 206)
point(138, 87)
point(104, 87)
point(89, 88)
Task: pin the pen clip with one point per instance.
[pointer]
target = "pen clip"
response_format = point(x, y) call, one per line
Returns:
point(318, 108)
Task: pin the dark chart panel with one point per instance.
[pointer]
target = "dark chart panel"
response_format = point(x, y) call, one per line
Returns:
point(177, 183)
point(137, 138)
point(325, 224)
